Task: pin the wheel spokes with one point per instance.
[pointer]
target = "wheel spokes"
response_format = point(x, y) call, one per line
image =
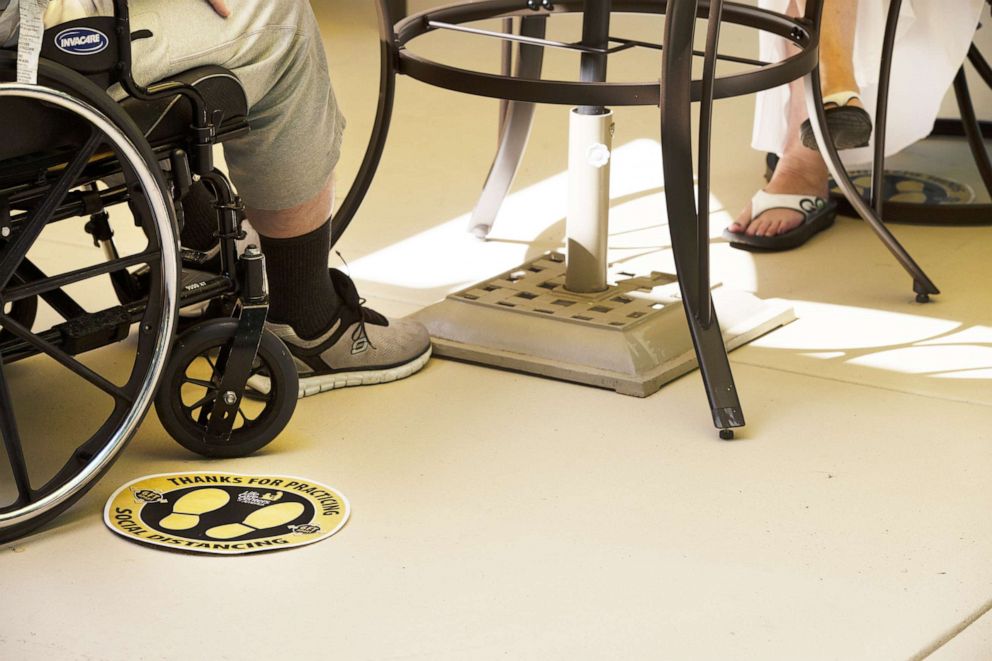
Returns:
point(210, 397)
point(41, 287)
point(15, 251)
point(12, 442)
point(199, 382)
point(201, 410)
point(251, 421)
point(60, 301)
point(64, 359)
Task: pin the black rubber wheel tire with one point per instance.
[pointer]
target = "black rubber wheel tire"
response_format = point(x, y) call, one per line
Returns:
point(24, 312)
point(177, 418)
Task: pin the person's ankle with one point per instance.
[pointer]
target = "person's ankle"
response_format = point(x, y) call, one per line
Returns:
point(800, 174)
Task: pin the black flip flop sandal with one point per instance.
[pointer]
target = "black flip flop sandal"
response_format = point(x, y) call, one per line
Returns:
point(849, 126)
point(819, 215)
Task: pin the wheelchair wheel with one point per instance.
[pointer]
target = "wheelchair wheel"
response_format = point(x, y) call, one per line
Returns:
point(190, 387)
point(66, 416)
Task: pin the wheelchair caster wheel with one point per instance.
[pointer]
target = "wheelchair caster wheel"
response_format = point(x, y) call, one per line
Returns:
point(190, 387)
point(727, 434)
point(23, 312)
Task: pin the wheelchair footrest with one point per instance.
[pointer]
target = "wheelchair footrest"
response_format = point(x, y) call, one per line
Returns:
point(95, 330)
point(197, 286)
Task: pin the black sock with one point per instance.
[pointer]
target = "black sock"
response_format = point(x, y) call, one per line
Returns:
point(200, 225)
point(301, 291)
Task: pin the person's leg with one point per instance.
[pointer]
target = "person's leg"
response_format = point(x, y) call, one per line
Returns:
point(837, 46)
point(296, 243)
point(800, 170)
point(303, 218)
point(283, 170)
point(282, 167)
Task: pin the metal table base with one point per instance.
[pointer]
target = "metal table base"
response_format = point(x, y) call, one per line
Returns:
point(687, 205)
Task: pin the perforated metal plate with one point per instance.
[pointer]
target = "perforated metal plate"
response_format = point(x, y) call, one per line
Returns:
point(539, 288)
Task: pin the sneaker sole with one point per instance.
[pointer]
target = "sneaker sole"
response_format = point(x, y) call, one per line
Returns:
point(314, 385)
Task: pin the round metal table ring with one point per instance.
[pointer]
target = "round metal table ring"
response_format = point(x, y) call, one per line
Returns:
point(575, 93)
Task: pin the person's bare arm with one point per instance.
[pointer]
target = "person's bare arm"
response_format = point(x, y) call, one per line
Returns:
point(220, 6)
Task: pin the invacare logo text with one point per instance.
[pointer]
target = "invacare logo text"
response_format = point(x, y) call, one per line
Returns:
point(81, 41)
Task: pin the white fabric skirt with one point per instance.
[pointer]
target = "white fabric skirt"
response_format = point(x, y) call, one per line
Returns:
point(931, 44)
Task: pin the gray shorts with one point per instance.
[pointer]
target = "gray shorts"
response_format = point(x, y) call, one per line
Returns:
point(274, 47)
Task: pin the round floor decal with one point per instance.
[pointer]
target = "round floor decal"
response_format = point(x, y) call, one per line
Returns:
point(224, 513)
point(912, 188)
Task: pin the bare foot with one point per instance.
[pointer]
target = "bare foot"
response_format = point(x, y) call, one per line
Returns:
point(802, 178)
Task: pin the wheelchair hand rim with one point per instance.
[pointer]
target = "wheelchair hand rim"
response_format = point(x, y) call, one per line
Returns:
point(167, 322)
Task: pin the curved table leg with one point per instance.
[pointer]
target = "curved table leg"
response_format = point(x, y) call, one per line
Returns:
point(877, 199)
point(516, 121)
point(505, 69)
point(684, 220)
point(972, 130)
point(922, 284)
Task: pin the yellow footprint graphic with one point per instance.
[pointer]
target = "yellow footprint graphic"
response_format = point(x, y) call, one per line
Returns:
point(910, 186)
point(267, 517)
point(188, 509)
point(910, 198)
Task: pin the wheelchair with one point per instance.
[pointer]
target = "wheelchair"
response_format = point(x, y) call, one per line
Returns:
point(116, 323)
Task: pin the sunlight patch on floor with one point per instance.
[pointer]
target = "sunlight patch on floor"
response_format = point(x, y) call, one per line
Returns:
point(968, 361)
point(532, 221)
point(891, 341)
point(827, 327)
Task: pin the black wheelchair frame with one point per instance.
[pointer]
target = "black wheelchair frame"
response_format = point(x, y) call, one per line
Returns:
point(102, 159)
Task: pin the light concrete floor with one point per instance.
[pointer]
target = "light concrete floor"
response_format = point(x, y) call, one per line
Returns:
point(497, 515)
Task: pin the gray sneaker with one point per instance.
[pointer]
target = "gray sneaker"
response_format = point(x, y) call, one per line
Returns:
point(361, 348)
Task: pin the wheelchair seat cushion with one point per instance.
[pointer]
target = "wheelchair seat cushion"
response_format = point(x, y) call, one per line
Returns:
point(42, 129)
point(168, 120)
